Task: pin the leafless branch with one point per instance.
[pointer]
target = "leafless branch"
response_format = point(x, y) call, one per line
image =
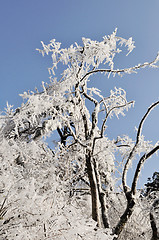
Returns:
point(139, 166)
point(103, 124)
point(126, 167)
point(125, 70)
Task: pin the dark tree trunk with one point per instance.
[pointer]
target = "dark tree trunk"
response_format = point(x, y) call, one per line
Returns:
point(126, 215)
point(94, 189)
point(102, 197)
point(155, 235)
point(155, 231)
point(99, 210)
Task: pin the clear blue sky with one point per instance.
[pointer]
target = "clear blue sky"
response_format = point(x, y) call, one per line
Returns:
point(24, 23)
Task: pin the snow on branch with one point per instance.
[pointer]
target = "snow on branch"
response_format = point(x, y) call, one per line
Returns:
point(131, 155)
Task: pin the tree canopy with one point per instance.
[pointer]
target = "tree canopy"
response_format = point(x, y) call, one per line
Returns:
point(78, 189)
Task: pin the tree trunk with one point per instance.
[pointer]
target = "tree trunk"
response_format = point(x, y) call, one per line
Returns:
point(155, 231)
point(94, 189)
point(99, 210)
point(155, 235)
point(102, 198)
point(126, 215)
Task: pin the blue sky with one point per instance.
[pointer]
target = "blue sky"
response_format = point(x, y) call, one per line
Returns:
point(24, 24)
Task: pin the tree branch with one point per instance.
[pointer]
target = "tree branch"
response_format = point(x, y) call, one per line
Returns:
point(135, 146)
point(126, 70)
point(139, 166)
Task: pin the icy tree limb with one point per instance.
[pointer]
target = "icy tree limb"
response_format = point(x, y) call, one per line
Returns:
point(125, 70)
point(130, 195)
point(139, 166)
point(126, 167)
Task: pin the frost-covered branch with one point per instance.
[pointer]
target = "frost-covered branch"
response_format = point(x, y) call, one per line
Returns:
point(125, 70)
point(127, 164)
point(139, 166)
point(109, 112)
